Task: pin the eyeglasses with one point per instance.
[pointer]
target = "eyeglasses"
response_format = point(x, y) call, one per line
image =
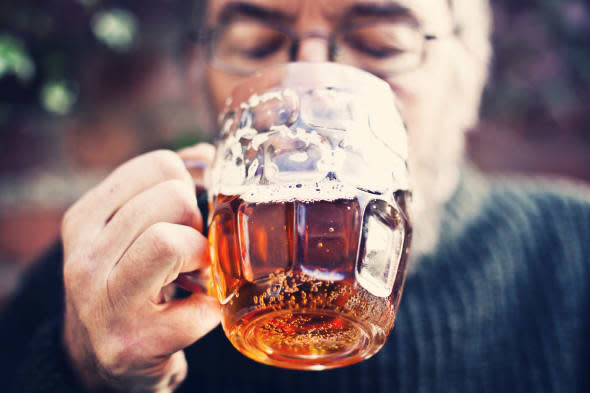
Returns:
point(385, 48)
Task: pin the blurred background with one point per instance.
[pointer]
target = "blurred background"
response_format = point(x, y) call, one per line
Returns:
point(87, 84)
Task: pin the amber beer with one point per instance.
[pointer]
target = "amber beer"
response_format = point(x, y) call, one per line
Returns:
point(309, 284)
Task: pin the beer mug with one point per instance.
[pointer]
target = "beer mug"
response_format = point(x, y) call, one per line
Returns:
point(308, 229)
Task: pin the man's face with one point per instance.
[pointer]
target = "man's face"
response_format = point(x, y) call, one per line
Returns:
point(431, 97)
point(326, 16)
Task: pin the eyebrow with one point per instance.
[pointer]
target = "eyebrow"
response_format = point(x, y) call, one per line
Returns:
point(238, 9)
point(380, 10)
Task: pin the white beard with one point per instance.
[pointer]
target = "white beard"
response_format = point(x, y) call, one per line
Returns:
point(435, 160)
point(432, 189)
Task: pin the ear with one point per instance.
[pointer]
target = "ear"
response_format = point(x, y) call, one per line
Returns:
point(473, 21)
point(470, 73)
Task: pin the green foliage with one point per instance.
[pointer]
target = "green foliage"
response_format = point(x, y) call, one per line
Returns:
point(14, 59)
point(187, 138)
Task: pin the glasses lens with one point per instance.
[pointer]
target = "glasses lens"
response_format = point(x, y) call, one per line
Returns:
point(385, 48)
point(246, 46)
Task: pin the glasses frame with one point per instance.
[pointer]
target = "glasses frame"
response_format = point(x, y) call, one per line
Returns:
point(207, 36)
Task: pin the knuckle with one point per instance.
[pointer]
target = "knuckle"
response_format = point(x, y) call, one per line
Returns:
point(91, 312)
point(184, 200)
point(170, 164)
point(113, 357)
point(77, 275)
point(69, 271)
point(87, 311)
point(73, 268)
point(120, 352)
point(82, 266)
point(68, 221)
point(72, 221)
point(161, 241)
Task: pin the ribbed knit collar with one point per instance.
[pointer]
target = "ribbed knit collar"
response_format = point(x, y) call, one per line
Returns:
point(462, 208)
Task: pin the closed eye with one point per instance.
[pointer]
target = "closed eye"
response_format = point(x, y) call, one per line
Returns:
point(373, 49)
point(265, 49)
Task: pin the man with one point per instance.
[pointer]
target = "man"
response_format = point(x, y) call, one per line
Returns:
point(498, 296)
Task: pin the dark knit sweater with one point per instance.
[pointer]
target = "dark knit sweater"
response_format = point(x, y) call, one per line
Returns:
point(502, 305)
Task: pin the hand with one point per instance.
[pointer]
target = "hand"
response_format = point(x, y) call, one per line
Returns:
point(125, 242)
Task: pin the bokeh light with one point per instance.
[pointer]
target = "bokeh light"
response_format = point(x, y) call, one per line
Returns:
point(57, 97)
point(116, 28)
point(14, 59)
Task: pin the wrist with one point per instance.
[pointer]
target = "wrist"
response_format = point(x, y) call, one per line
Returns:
point(80, 358)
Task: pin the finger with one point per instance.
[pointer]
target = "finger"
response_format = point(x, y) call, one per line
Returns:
point(196, 282)
point(201, 152)
point(175, 373)
point(162, 374)
point(178, 370)
point(196, 159)
point(172, 201)
point(155, 260)
point(91, 213)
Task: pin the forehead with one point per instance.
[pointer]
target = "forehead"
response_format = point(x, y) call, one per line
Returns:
point(430, 13)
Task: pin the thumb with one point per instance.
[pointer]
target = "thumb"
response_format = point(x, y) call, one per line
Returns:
point(189, 319)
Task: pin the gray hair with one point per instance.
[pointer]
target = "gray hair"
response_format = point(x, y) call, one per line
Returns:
point(473, 26)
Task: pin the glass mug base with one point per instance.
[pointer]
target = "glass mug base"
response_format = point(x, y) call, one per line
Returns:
point(315, 325)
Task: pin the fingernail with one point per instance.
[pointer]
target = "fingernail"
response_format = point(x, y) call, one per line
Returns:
point(196, 164)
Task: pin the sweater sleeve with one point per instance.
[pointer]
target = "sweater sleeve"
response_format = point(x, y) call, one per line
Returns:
point(33, 359)
point(45, 368)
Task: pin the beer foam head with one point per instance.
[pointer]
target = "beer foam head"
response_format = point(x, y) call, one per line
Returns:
point(311, 192)
point(323, 143)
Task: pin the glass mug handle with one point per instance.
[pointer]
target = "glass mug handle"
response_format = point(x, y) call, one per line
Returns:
point(198, 281)
point(198, 169)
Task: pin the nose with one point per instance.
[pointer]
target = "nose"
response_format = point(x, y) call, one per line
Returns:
point(313, 47)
